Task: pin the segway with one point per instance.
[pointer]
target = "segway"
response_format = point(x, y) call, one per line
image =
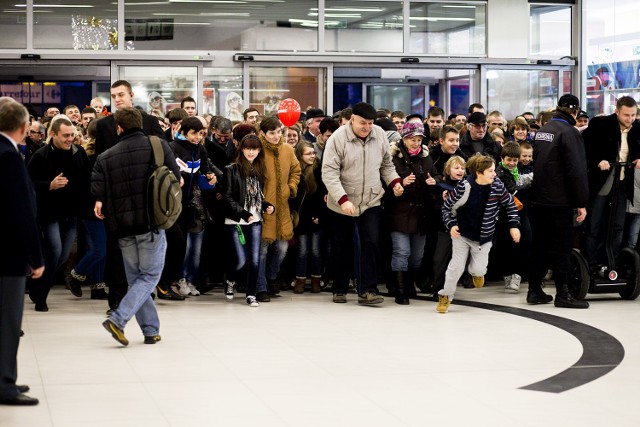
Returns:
point(620, 275)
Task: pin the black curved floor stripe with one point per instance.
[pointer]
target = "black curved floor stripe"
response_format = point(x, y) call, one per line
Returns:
point(601, 352)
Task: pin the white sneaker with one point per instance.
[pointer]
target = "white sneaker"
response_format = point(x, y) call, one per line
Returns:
point(228, 290)
point(515, 282)
point(192, 289)
point(507, 281)
point(180, 287)
point(252, 301)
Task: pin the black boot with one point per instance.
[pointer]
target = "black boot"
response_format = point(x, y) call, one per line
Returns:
point(98, 291)
point(401, 290)
point(410, 283)
point(536, 295)
point(566, 300)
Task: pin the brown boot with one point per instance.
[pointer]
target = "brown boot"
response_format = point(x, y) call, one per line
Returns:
point(298, 287)
point(316, 284)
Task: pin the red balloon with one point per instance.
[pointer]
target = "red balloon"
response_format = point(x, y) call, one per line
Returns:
point(289, 111)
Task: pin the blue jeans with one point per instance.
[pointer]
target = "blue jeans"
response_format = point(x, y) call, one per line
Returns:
point(192, 256)
point(271, 270)
point(631, 230)
point(309, 247)
point(342, 229)
point(248, 254)
point(58, 240)
point(93, 262)
point(597, 219)
point(143, 256)
point(407, 251)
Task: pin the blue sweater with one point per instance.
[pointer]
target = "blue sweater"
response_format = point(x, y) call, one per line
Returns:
point(468, 190)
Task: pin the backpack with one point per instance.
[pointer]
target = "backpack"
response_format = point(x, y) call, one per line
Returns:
point(164, 195)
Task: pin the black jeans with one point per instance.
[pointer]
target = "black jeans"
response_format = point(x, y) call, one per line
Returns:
point(341, 228)
point(552, 229)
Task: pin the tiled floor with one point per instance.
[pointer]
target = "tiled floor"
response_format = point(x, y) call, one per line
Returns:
point(303, 361)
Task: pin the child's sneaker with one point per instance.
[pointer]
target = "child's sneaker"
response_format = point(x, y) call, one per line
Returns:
point(192, 289)
point(443, 304)
point(228, 289)
point(252, 301)
point(515, 282)
point(507, 281)
point(478, 281)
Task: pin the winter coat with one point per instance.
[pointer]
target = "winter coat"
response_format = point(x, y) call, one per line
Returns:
point(489, 146)
point(310, 206)
point(560, 167)
point(119, 181)
point(409, 212)
point(282, 178)
point(352, 169)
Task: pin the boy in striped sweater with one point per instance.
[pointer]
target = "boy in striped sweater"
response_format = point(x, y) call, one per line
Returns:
point(470, 214)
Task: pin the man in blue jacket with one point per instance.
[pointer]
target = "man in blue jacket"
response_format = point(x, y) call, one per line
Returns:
point(21, 253)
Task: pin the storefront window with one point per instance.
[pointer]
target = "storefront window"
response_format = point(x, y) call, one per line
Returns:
point(270, 85)
point(612, 51)
point(160, 89)
point(550, 31)
point(13, 25)
point(513, 92)
point(448, 28)
point(356, 26)
point(222, 92)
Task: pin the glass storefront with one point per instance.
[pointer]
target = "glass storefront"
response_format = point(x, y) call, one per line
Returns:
point(513, 92)
point(13, 25)
point(549, 31)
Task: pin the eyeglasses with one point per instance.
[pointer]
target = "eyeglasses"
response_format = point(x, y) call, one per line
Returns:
point(484, 126)
point(35, 132)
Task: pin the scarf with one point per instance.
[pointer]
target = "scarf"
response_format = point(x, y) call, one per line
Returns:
point(514, 171)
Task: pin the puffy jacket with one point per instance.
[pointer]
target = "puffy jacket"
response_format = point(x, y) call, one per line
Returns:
point(560, 168)
point(408, 213)
point(352, 168)
point(119, 181)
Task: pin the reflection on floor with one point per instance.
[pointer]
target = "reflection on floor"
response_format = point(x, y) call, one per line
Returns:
point(301, 360)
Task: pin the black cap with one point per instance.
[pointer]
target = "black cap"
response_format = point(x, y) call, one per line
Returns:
point(312, 113)
point(413, 116)
point(582, 113)
point(569, 101)
point(364, 110)
point(477, 118)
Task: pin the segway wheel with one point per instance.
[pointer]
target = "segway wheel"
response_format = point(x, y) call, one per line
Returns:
point(580, 278)
point(629, 268)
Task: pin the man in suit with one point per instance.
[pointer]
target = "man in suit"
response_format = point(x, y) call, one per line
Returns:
point(22, 255)
point(107, 137)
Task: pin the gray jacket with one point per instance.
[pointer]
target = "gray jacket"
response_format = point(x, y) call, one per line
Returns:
point(353, 168)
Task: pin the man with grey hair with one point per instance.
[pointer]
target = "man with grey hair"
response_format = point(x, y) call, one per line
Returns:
point(33, 141)
point(22, 255)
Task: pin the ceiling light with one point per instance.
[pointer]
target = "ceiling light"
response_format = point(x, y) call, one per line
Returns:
point(337, 15)
point(350, 9)
point(55, 5)
point(427, 18)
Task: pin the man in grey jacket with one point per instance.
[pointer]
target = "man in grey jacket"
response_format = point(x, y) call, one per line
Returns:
point(356, 159)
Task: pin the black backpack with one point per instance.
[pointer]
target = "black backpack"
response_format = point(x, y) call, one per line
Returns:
point(163, 191)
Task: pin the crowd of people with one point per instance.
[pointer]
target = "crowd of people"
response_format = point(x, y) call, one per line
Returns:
point(344, 201)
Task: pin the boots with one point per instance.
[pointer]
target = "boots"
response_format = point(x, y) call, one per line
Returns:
point(401, 290)
point(273, 287)
point(316, 284)
point(536, 295)
point(298, 287)
point(566, 300)
point(98, 291)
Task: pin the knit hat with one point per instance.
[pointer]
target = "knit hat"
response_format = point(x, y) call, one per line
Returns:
point(412, 129)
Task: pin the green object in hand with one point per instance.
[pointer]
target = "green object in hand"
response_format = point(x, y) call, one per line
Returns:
point(240, 235)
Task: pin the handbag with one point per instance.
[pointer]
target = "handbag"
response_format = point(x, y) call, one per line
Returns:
point(295, 216)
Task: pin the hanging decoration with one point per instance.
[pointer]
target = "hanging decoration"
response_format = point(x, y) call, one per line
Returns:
point(93, 33)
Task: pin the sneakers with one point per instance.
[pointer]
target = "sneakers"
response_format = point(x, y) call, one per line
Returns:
point(252, 301)
point(168, 294)
point(116, 333)
point(370, 298)
point(339, 298)
point(180, 287)
point(99, 291)
point(228, 289)
point(478, 281)
point(152, 339)
point(443, 304)
point(512, 282)
point(75, 282)
point(192, 289)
